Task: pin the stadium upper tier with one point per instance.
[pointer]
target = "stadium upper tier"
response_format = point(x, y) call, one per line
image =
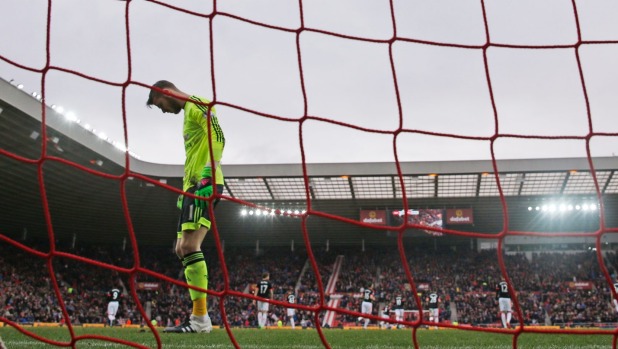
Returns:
point(84, 178)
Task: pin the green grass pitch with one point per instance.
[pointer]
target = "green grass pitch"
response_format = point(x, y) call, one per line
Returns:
point(305, 339)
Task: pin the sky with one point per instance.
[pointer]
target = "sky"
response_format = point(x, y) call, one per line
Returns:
point(347, 77)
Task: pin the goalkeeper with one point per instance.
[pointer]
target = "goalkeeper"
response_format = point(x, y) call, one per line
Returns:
point(201, 133)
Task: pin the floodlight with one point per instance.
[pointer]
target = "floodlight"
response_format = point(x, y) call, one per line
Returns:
point(70, 116)
point(120, 146)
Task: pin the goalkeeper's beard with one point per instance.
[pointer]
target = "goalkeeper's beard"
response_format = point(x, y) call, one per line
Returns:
point(177, 106)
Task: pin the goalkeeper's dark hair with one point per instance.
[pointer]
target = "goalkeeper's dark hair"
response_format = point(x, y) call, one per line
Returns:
point(161, 84)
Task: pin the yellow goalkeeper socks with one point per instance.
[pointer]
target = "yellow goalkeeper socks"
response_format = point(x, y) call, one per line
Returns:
point(196, 273)
point(199, 307)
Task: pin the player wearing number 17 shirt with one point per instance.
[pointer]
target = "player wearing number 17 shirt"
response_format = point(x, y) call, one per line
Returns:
point(504, 303)
point(264, 289)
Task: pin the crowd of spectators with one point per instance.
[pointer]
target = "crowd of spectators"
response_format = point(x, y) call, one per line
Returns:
point(465, 281)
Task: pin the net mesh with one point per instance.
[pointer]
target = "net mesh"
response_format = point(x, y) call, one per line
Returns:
point(321, 306)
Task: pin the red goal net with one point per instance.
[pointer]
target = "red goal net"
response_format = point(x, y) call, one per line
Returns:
point(311, 82)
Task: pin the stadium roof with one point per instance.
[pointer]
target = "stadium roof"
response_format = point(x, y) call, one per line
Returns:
point(86, 200)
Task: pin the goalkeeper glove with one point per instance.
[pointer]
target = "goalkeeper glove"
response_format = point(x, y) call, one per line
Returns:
point(179, 201)
point(204, 188)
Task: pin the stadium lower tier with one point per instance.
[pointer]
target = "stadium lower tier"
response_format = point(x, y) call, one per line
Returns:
point(553, 289)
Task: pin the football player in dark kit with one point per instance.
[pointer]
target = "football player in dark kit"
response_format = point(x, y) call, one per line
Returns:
point(264, 289)
point(504, 303)
point(113, 299)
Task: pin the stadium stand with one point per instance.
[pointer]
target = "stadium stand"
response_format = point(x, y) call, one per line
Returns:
point(544, 286)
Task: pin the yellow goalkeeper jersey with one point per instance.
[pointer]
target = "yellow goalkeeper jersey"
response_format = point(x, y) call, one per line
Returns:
point(197, 144)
